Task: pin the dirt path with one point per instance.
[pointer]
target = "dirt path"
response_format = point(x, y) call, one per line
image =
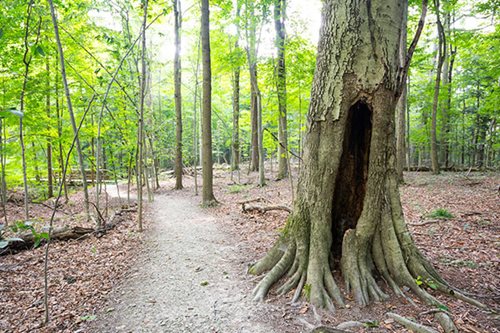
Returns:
point(190, 279)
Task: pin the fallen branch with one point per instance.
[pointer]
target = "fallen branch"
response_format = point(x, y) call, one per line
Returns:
point(411, 325)
point(250, 200)
point(66, 233)
point(425, 223)
point(59, 233)
point(324, 329)
point(263, 209)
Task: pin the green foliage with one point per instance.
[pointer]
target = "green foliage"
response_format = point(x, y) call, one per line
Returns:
point(306, 291)
point(371, 324)
point(237, 188)
point(441, 213)
point(88, 318)
point(38, 236)
point(426, 282)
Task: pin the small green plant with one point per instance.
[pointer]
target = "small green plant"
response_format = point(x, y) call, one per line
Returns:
point(371, 324)
point(307, 291)
point(29, 226)
point(427, 282)
point(88, 318)
point(441, 213)
point(237, 188)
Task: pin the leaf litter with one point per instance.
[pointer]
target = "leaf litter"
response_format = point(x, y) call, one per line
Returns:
point(464, 249)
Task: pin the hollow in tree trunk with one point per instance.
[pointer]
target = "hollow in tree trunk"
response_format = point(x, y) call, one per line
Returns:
point(347, 214)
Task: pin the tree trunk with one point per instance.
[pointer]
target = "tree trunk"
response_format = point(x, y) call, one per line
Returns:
point(3, 185)
point(262, 178)
point(140, 127)
point(195, 120)
point(70, 108)
point(235, 146)
point(402, 105)
point(59, 112)
point(50, 181)
point(208, 197)
point(252, 67)
point(279, 24)
point(437, 86)
point(26, 61)
point(347, 206)
point(446, 107)
point(178, 97)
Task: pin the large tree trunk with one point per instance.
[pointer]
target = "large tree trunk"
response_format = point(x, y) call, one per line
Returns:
point(279, 24)
point(348, 213)
point(208, 197)
point(178, 98)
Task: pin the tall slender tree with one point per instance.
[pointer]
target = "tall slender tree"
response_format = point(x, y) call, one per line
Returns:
point(27, 57)
point(70, 107)
point(140, 127)
point(437, 87)
point(402, 103)
point(178, 96)
point(50, 180)
point(279, 24)
point(251, 49)
point(208, 197)
point(235, 144)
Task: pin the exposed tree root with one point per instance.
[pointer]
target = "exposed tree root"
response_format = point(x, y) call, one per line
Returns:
point(279, 269)
point(386, 248)
point(411, 325)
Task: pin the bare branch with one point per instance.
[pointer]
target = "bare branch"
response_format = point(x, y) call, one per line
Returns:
point(404, 70)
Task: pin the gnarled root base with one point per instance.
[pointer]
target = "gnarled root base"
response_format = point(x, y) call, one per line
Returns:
point(387, 249)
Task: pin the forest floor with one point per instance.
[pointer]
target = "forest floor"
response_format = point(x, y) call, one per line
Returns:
point(186, 272)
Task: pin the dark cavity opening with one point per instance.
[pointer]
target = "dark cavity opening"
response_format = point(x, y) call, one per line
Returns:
point(350, 185)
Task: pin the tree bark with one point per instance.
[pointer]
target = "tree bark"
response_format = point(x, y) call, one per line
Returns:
point(208, 197)
point(279, 24)
point(347, 213)
point(178, 97)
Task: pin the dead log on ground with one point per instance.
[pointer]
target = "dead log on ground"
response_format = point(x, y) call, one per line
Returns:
point(263, 209)
point(58, 233)
point(66, 233)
